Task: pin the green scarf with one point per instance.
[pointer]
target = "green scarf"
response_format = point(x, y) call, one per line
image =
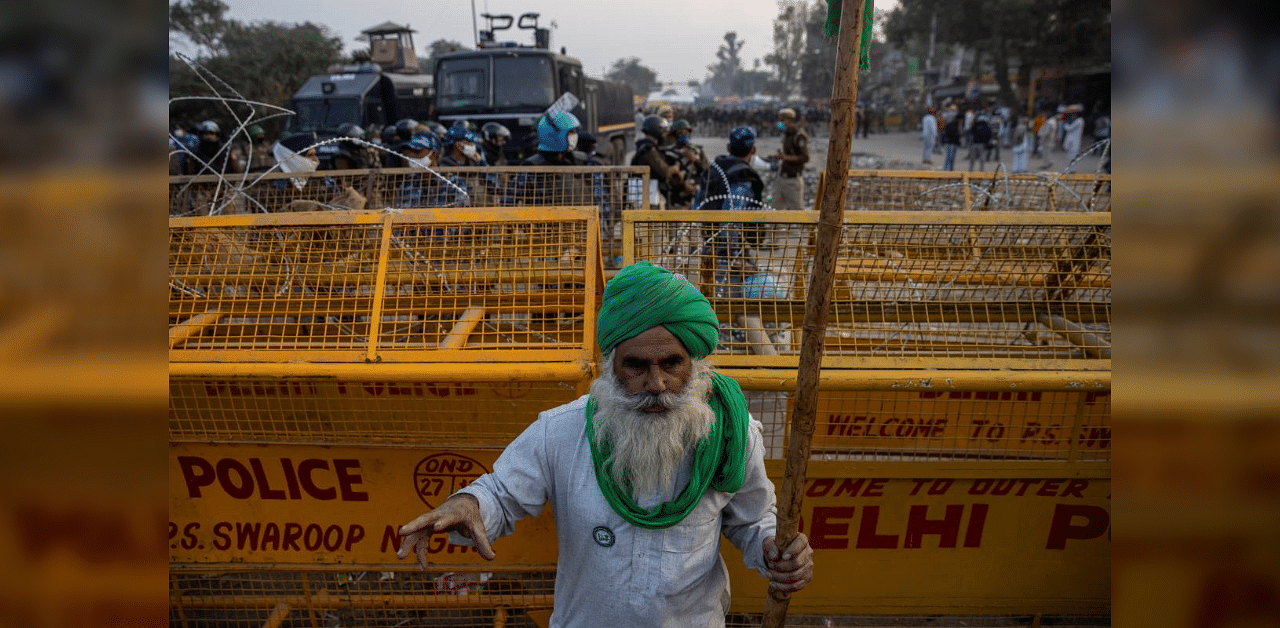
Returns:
point(719, 462)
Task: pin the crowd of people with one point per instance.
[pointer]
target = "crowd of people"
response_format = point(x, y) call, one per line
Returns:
point(682, 176)
point(983, 129)
point(206, 149)
point(719, 120)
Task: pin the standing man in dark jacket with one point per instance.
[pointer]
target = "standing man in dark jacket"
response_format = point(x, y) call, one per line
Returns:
point(951, 136)
point(732, 183)
point(662, 174)
point(788, 189)
point(691, 160)
point(493, 140)
point(979, 139)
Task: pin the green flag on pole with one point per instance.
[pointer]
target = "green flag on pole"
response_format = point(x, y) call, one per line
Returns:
point(832, 29)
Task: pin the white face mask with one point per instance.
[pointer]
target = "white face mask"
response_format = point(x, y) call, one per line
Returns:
point(422, 163)
point(573, 140)
point(469, 150)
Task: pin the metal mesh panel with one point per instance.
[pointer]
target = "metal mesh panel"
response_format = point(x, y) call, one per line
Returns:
point(382, 595)
point(911, 290)
point(749, 620)
point(395, 595)
point(274, 287)
point(276, 192)
point(610, 189)
point(513, 285)
point(887, 190)
point(425, 284)
point(326, 410)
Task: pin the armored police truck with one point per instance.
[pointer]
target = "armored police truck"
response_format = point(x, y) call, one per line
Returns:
point(377, 93)
point(514, 84)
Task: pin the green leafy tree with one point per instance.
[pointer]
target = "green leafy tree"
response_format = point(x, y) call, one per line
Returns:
point(630, 71)
point(201, 22)
point(817, 64)
point(790, 31)
point(261, 61)
point(1007, 33)
point(437, 49)
point(724, 79)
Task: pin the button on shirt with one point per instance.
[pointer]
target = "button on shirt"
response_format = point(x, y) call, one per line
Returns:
point(671, 577)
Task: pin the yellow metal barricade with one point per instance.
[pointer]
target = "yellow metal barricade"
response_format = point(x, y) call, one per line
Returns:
point(913, 290)
point(343, 326)
point(370, 595)
point(609, 189)
point(962, 444)
point(916, 190)
point(334, 373)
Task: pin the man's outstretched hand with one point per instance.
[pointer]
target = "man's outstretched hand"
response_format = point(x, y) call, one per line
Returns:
point(792, 570)
point(460, 513)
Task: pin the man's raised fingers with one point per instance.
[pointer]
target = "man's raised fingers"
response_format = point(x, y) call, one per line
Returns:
point(422, 552)
point(417, 524)
point(413, 542)
point(481, 540)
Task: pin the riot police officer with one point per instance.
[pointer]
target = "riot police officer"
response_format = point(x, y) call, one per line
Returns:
point(493, 139)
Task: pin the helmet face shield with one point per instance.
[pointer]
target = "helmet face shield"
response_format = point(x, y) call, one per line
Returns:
point(655, 126)
point(495, 133)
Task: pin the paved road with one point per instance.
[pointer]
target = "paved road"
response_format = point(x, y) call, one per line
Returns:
point(894, 150)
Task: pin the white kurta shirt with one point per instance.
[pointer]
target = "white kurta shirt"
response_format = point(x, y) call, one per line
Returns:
point(611, 573)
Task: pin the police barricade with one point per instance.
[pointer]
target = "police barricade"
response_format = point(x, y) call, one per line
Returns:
point(334, 374)
point(918, 190)
point(962, 444)
point(610, 189)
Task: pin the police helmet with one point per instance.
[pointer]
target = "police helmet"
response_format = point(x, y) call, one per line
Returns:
point(554, 129)
point(459, 133)
point(256, 132)
point(491, 131)
point(208, 126)
point(389, 134)
point(350, 129)
point(424, 141)
point(681, 125)
point(405, 128)
point(654, 126)
point(741, 140)
point(438, 129)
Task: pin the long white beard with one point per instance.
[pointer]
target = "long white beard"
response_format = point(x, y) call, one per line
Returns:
point(648, 449)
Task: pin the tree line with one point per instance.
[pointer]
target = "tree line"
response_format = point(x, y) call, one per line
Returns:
point(1001, 36)
point(801, 64)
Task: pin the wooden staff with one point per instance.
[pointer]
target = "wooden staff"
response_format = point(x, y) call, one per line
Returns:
point(844, 96)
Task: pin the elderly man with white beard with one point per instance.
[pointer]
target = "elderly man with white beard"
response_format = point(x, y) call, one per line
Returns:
point(644, 474)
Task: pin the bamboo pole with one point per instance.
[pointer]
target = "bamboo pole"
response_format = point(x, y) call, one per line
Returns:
point(844, 96)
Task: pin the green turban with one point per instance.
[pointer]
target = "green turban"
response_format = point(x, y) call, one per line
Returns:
point(642, 296)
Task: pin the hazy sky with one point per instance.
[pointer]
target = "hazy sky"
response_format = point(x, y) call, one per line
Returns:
point(678, 39)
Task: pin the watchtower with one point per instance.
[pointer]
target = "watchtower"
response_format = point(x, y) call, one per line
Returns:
point(391, 46)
